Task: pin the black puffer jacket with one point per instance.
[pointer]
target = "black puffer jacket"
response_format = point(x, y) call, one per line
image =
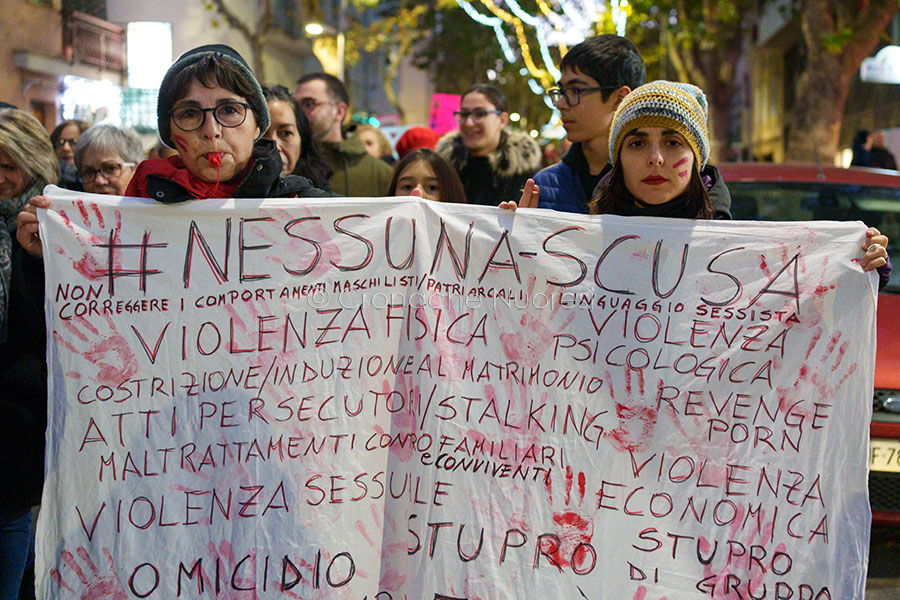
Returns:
point(23, 386)
point(263, 181)
point(499, 176)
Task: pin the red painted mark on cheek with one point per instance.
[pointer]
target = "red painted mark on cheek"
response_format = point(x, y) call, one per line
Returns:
point(681, 162)
point(180, 142)
point(682, 174)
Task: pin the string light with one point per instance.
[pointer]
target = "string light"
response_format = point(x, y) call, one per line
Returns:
point(619, 14)
point(493, 22)
point(523, 41)
point(540, 25)
point(551, 27)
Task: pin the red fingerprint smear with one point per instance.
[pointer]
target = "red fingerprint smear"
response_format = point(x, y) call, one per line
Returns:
point(821, 290)
point(576, 530)
point(84, 213)
point(816, 336)
point(636, 425)
point(832, 343)
point(764, 265)
point(581, 484)
point(96, 210)
point(180, 142)
point(362, 530)
point(87, 266)
point(842, 351)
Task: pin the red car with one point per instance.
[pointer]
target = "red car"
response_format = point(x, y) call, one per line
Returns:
point(798, 192)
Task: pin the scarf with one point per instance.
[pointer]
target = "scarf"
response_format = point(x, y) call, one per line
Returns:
point(675, 208)
point(173, 169)
point(8, 211)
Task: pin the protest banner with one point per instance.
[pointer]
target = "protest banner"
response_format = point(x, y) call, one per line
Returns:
point(386, 399)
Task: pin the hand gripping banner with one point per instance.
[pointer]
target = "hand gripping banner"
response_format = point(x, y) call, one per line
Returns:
point(390, 399)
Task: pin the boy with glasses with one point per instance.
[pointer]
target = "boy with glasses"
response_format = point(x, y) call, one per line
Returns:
point(325, 102)
point(597, 75)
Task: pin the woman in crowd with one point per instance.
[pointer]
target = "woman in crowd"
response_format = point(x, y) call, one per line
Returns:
point(493, 161)
point(658, 144)
point(293, 136)
point(211, 109)
point(106, 156)
point(376, 143)
point(64, 138)
point(424, 173)
point(27, 164)
point(160, 150)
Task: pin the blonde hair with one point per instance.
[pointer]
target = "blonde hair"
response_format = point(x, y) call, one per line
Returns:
point(384, 146)
point(28, 144)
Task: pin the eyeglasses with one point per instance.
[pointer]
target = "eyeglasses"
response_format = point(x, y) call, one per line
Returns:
point(310, 104)
point(63, 141)
point(573, 94)
point(478, 115)
point(110, 171)
point(227, 114)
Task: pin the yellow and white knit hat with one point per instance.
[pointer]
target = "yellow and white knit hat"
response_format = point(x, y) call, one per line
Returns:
point(677, 106)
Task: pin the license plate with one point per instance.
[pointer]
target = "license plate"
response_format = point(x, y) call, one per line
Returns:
point(884, 455)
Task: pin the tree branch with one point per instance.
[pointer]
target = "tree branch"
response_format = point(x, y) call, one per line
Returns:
point(867, 29)
point(233, 20)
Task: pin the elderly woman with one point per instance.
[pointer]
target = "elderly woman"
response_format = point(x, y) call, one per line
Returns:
point(27, 163)
point(106, 156)
point(211, 109)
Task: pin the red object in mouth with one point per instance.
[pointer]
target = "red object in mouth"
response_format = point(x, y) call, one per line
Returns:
point(654, 180)
point(215, 159)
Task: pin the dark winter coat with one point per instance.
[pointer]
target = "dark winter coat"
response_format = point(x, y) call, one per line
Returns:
point(23, 386)
point(264, 180)
point(357, 173)
point(499, 176)
point(562, 186)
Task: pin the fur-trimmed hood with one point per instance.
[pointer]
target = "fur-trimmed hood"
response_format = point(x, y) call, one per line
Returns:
point(517, 154)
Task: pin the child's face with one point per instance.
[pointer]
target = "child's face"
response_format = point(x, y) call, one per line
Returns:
point(418, 175)
point(656, 164)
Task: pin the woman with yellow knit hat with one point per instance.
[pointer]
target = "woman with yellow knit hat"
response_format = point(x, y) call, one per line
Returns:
point(658, 144)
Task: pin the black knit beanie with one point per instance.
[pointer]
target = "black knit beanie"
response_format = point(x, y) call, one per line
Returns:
point(220, 52)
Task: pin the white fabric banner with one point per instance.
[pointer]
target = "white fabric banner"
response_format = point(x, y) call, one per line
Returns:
point(394, 399)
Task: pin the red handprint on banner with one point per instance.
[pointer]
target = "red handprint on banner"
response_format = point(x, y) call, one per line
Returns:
point(93, 263)
point(569, 545)
point(532, 335)
point(108, 357)
point(91, 585)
